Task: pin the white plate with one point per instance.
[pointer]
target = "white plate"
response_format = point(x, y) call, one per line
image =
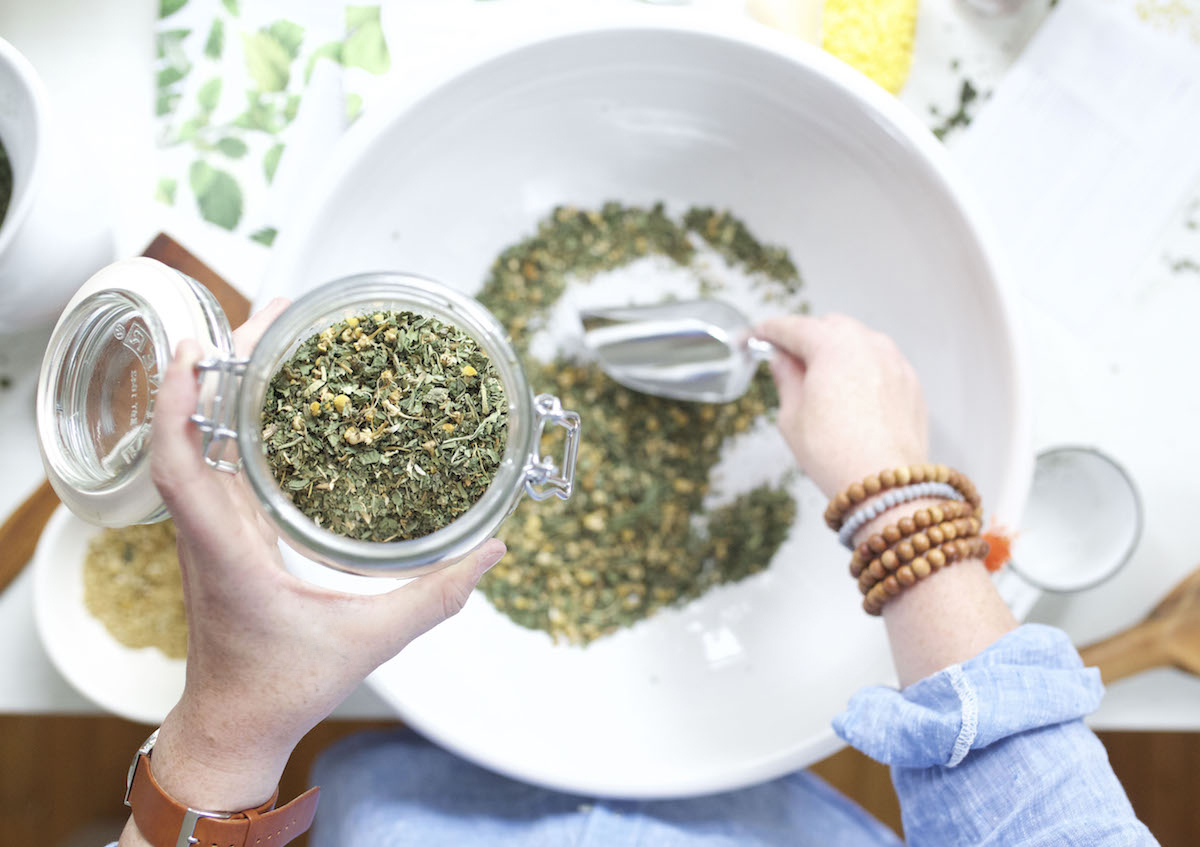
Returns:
point(140, 685)
point(741, 685)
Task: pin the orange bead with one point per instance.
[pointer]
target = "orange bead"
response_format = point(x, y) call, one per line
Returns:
point(877, 544)
point(905, 576)
point(917, 472)
point(856, 568)
point(920, 542)
point(936, 535)
point(888, 478)
point(920, 567)
point(875, 569)
point(872, 485)
point(937, 559)
point(922, 519)
point(863, 552)
point(889, 560)
point(841, 503)
point(907, 526)
point(857, 493)
point(943, 473)
point(892, 534)
point(905, 551)
point(903, 476)
point(937, 514)
point(949, 530)
point(891, 585)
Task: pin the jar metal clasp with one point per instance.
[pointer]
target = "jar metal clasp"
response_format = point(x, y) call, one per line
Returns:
point(543, 479)
point(219, 381)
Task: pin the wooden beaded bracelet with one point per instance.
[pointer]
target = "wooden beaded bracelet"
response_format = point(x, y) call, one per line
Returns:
point(921, 567)
point(909, 527)
point(835, 512)
point(925, 543)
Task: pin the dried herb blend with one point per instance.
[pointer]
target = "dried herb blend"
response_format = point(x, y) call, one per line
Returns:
point(635, 536)
point(386, 427)
point(132, 584)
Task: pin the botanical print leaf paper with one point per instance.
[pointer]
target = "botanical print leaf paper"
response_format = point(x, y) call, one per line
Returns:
point(232, 77)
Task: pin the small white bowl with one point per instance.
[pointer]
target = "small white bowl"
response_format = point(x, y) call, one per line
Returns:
point(139, 685)
point(1082, 522)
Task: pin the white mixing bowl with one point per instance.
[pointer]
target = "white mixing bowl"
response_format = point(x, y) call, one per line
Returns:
point(739, 686)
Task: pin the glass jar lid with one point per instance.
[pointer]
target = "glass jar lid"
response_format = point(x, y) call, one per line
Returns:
point(101, 372)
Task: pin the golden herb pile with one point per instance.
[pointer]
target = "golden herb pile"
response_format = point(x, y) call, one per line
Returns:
point(634, 537)
point(386, 427)
point(132, 584)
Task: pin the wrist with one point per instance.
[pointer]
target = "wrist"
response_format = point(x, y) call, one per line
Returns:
point(208, 761)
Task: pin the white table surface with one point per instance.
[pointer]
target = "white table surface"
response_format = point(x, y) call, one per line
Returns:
point(1125, 383)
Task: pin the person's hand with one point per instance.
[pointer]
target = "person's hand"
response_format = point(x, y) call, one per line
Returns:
point(849, 402)
point(269, 656)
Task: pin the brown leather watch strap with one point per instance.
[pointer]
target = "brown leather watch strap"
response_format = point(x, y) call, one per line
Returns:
point(164, 822)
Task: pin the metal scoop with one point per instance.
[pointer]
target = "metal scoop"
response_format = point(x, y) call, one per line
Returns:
point(696, 350)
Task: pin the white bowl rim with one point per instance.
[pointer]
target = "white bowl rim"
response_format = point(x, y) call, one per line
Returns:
point(44, 562)
point(930, 153)
point(24, 70)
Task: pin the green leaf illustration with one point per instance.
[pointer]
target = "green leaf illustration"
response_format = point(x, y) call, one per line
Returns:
point(289, 35)
point(354, 104)
point(266, 235)
point(267, 60)
point(365, 46)
point(209, 94)
point(189, 128)
point(215, 45)
point(234, 148)
point(231, 6)
point(217, 194)
point(166, 8)
point(271, 162)
point(291, 108)
point(260, 114)
point(168, 45)
point(332, 51)
point(165, 103)
point(165, 191)
point(169, 76)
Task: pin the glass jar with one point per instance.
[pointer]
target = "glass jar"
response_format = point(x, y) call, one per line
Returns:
point(113, 343)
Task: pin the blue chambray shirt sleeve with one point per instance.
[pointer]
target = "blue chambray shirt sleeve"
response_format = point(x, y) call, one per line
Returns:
point(995, 751)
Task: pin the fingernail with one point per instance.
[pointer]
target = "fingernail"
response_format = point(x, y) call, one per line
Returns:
point(491, 552)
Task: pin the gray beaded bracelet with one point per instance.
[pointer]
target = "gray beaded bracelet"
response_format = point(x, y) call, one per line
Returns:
point(891, 499)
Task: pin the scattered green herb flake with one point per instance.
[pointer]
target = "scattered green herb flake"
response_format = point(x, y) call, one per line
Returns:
point(635, 536)
point(217, 194)
point(214, 45)
point(231, 6)
point(291, 108)
point(372, 429)
point(960, 117)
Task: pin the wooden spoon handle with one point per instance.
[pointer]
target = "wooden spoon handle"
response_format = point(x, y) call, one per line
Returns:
point(20, 533)
point(1137, 649)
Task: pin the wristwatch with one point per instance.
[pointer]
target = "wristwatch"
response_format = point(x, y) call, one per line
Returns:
point(166, 823)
